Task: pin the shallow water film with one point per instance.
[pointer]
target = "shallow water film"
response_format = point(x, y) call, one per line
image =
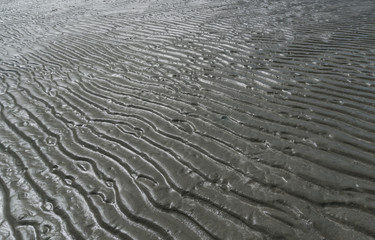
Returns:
point(187, 119)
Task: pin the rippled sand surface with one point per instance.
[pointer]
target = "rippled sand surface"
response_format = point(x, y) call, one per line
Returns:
point(187, 119)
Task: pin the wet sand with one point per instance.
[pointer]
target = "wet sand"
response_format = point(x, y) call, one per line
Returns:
point(187, 119)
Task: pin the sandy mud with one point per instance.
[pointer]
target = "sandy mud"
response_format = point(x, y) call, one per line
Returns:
point(187, 119)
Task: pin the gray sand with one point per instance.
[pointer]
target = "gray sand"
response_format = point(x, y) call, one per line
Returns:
point(187, 119)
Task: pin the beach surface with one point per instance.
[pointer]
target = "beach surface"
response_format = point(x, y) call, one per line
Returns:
point(187, 119)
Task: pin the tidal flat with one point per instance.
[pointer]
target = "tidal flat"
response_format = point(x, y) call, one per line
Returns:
point(187, 119)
